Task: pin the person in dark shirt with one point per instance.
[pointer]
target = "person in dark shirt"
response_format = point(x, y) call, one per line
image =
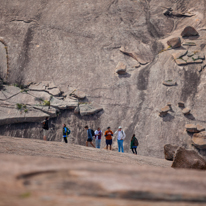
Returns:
point(45, 128)
point(89, 135)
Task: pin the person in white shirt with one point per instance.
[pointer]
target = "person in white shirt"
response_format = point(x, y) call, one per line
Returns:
point(98, 135)
point(120, 138)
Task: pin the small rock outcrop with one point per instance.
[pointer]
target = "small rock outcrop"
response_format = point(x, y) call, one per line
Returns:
point(169, 83)
point(89, 108)
point(185, 57)
point(164, 111)
point(186, 111)
point(199, 140)
point(192, 128)
point(174, 42)
point(169, 151)
point(38, 100)
point(181, 104)
point(200, 128)
point(121, 68)
point(189, 31)
point(190, 159)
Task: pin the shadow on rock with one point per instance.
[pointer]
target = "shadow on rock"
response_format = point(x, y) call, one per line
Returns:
point(190, 116)
point(168, 118)
point(127, 75)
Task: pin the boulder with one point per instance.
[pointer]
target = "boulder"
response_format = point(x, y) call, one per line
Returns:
point(189, 31)
point(174, 42)
point(181, 104)
point(190, 159)
point(191, 128)
point(199, 140)
point(120, 68)
point(169, 151)
point(169, 83)
point(200, 128)
point(186, 111)
point(89, 108)
point(164, 111)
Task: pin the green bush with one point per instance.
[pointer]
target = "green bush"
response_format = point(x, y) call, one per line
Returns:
point(19, 106)
point(46, 103)
point(26, 110)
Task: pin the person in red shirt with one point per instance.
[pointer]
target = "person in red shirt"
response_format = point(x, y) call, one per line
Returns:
point(108, 135)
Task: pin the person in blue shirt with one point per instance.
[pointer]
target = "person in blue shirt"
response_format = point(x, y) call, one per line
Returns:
point(89, 136)
point(65, 132)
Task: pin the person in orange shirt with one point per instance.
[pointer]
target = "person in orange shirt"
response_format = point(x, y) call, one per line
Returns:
point(108, 135)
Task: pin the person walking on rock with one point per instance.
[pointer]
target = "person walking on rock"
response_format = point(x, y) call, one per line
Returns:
point(66, 132)
point(98, 135)
point(108, 135)
point(120, 138)
point(134, 144)
point(90, 136)
point(45, 126)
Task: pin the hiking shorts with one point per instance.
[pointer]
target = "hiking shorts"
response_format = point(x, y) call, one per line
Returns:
point(45, 131)
point(109, 142)
point(89, 140)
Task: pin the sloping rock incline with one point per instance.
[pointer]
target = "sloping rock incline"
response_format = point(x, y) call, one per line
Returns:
point(33, 171)
point(79, 43)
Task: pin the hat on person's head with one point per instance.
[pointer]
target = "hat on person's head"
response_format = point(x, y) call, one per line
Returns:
point(120, 127)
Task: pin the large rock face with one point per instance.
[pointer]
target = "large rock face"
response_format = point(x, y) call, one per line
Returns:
point(77, 43)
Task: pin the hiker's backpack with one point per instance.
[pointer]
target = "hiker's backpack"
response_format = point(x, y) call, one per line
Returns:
point(43, 123)
point(92, 131)
point(136, 143)
point(68, 131)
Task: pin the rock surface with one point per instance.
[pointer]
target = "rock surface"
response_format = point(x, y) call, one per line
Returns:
point(188, 159)
point(89, 108)
point(77, 43)
point(169, 151)
point(36, 172)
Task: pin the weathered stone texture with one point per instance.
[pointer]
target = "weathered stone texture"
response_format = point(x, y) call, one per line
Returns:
point(77, 43)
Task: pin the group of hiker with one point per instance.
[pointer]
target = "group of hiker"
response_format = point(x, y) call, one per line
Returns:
point(120, 134)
